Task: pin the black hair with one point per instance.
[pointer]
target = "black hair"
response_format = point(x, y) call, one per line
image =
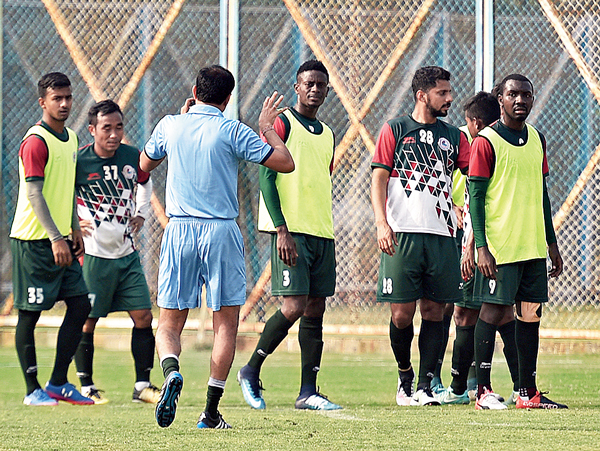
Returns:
point(105, 107)
point(484, 106)
point(426, 78)
point(312, 65)
point(52, 80)
point(214, 84)
point(517, 77)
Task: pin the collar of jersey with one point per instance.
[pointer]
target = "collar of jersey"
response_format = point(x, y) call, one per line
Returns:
point(206, 109)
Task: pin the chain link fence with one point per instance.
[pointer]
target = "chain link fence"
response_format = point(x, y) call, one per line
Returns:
point(144, 55)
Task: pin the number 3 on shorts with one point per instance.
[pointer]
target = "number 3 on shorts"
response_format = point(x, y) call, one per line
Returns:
point(286, 278)
point(387, 287)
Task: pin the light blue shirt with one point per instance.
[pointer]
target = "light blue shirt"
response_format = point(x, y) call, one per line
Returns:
point(203, 150)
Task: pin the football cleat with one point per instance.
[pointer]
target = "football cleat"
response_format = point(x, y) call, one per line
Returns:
point(68, 393)
point(39, 397)
point(316, 401)
point(539, 401)
point(149, 394)
point(207, 422)
point(512, 399)
point(251, 387)
point(90, 391)
point(489, 401)
point(472, 389)
point(436, 385)
point(424, 397)
point(448, 396)
point(405, 390)
point(167, 402)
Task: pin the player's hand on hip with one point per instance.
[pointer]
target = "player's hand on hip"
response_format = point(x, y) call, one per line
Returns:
point(78, 248)
point(136, 223)
point(270, 111)
point(556, 259)
point(486, 262)
point(286, 246)
point(62, 253)
point(86, 227)
point(386, 238)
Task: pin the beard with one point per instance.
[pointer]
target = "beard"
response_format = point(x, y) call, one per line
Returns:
point(438, 112)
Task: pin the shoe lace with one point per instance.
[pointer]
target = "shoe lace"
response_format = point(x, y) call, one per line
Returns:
point(152, 387)
point(257, 386)
point(95, 392)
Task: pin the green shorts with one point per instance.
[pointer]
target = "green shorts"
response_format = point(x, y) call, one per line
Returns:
point(467, 300)
point(424, 266)
point(38, 283)
point(116, 285)
point(314, 273)
point(522, 281)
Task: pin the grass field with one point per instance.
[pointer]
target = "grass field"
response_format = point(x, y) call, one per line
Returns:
point(364, 384)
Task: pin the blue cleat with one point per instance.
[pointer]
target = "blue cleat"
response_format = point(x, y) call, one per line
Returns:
point(68, 393)
point(207, 422)
point(39, 397)
point(167, 403)
point(251, 387)
point(447, 396)
point(316, 401)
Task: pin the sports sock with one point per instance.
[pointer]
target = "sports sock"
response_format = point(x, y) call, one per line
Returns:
point(507, 332)
point(430, 342)
point(25, 343)
point(69, 336)
point(213, 396)
point(485, 341)
point(401, 340)
point(276, 329)
point(169, 363)
point(310, 337)
point(142, 349)
point(462, 357)
point(84, 358)
point(527, 336)
point(438, 367)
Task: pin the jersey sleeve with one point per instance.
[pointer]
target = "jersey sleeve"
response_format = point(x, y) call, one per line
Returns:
point(248, 145)
point(481, 162)
point(384, 149)
point(154, 148)
point(34, 155)
point(464, 152)
point(545, 167)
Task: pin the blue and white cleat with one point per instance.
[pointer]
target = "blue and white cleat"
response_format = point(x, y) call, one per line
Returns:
point(169, 395)
point(447, 396)
point(39, 397)
point(207, 422)
point(68, 393)
point(316, 401)
point(251, 388)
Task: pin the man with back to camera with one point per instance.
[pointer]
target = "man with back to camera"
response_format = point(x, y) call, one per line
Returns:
point(45, 266)
point(411, 193)
point(296, 209)
point(202, 243)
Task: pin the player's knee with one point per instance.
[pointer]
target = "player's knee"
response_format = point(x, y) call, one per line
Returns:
point(529, 312)
point(142, 319)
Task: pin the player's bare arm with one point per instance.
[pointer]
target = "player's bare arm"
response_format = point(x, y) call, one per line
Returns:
point(467, 261)
point(148, 164)
point(556, 259)
point(486, 262)
point(280, 160)
point(386, 239)
point(286, 246)
point(458, 210)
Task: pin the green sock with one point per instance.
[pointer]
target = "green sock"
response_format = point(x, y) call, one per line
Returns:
point(213, 396)
point(462, 357)
point(276, 329)
point(485, 341)
point(142, 349)
point(438, 367)
point(169, 364)
point(310, 336)
point(507, 332)
point(527, 336)
point(430, 342)
point(84, 358)
point(401, 340)
point(25, 343)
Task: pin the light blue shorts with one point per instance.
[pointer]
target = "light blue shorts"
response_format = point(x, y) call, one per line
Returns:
point(196, 252)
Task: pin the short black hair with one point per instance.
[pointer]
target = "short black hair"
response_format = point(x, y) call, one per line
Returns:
point(312, 65)
point(105, 107)
point(214, 84)
point(52, 80)
point(517, 77)
point(426, 78)
point(484, 106)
